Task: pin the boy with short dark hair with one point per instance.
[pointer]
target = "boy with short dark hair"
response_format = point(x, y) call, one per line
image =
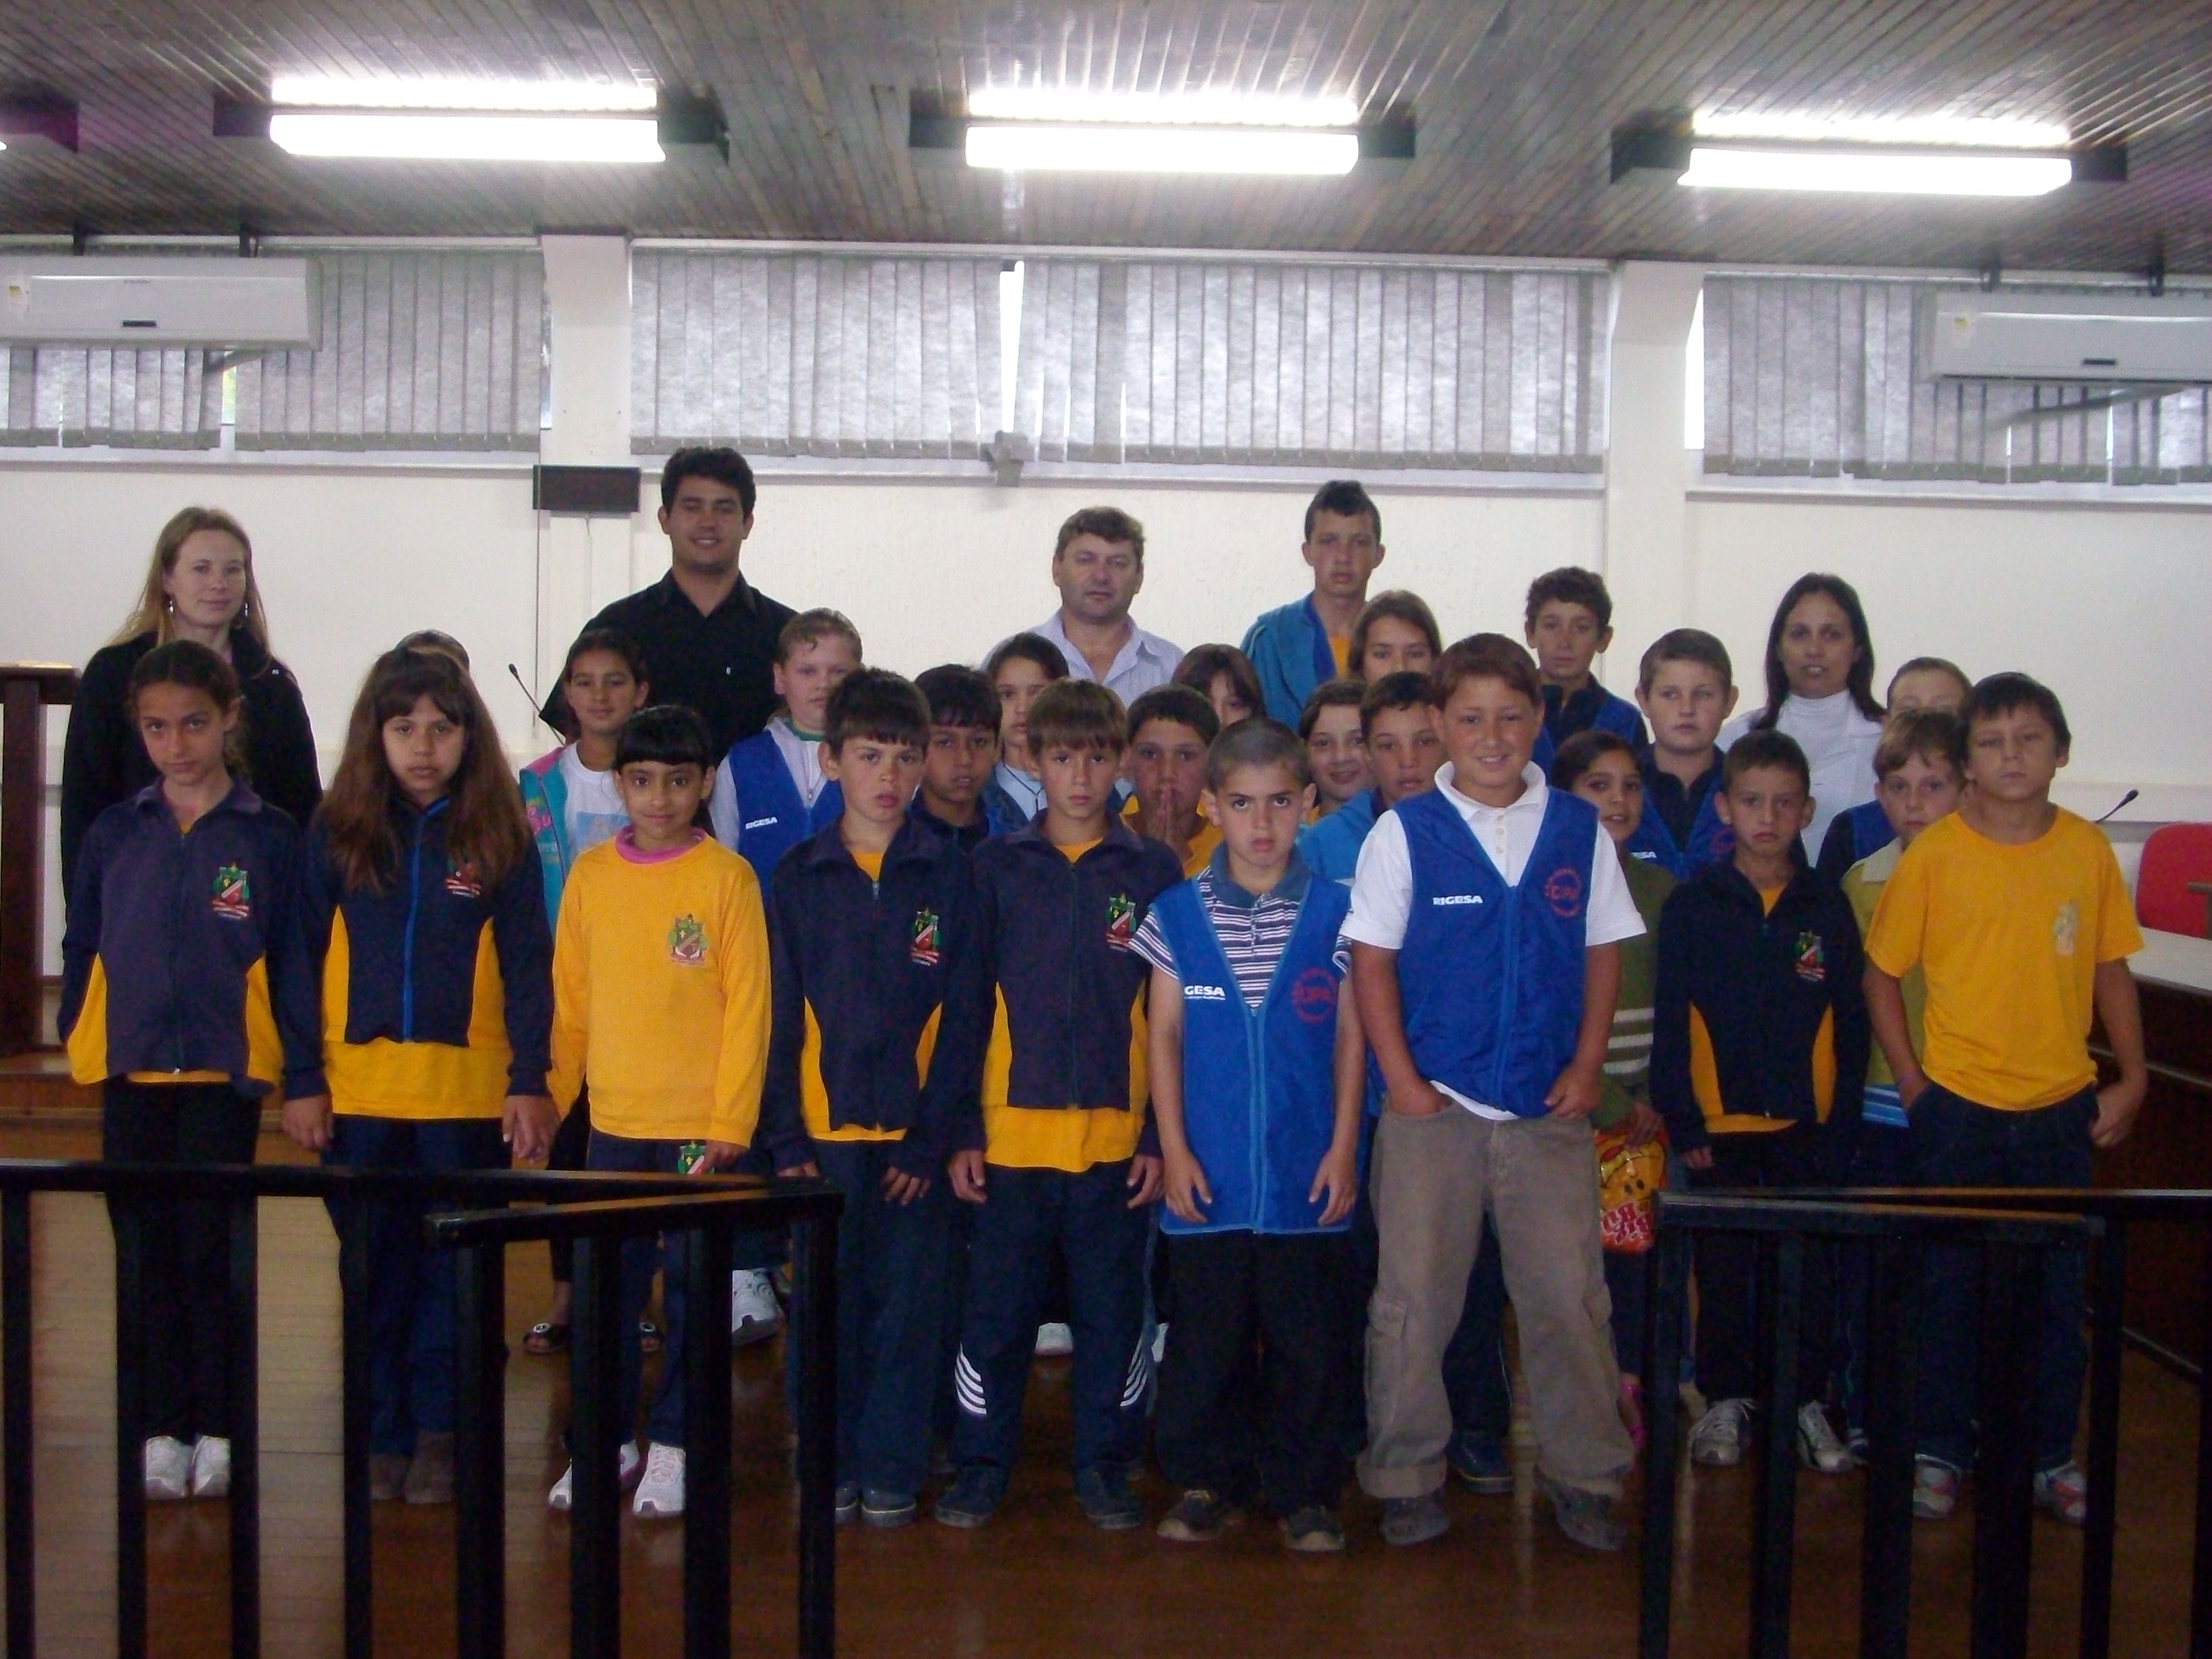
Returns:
point(1018, 668)
point(1568, 621)
point(770, 792)
point(1486, 921)
point(1258, 1072)
point(877, 1043)
point(2016, 912)
point(1398, 728)
point(1687, 688)
point(1059, 1154)
point(962, 754)
point(1171, 728)
point(661, 993)
point(1759, 1051)
point(1297, 645)
point(1336, 748)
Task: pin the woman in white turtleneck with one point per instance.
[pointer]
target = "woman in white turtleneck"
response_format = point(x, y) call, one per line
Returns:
point(1820, 690)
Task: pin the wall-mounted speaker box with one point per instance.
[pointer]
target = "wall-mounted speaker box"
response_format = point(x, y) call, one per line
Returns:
point(607, 491)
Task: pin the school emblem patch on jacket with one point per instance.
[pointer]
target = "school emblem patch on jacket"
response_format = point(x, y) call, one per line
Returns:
point(461, 879)
point(1563, 890)
point(687, 942)
point(924, 948)
point(233, 893)
point(1812, 961)
point(1120, 922)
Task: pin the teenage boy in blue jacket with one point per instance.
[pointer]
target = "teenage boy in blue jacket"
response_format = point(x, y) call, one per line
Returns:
point(1568, 623)
point(1059, 1154)
point(1687, 688)
point(880, 1017)
point(1258, 1072)
point(1297, 645)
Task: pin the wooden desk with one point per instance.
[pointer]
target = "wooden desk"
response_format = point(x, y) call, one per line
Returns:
point(26, 689)
point(2171, 1145)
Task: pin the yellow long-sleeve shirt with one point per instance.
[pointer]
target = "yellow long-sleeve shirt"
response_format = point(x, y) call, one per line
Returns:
point(661, 991)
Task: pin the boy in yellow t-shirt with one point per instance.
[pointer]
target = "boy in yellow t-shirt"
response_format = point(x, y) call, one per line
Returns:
point(660, 990)
point(2015, 913)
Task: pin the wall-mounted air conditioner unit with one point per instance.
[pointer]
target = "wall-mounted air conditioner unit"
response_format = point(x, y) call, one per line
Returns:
point(2107, 339)
point(133, 302)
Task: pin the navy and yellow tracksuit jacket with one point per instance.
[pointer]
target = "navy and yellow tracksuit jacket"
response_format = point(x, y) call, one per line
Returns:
point(1064, 1083)
point(881, 1005)
point(437, 989)
point(183, 958)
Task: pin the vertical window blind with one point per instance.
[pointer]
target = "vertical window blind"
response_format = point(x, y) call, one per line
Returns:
point(814, 354)
point(70, 396)
point(421, 348)
point(1816, 377)
point(1375, 365)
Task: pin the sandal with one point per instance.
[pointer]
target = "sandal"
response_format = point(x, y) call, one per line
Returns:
point(545, 1337)
point(648, 1337)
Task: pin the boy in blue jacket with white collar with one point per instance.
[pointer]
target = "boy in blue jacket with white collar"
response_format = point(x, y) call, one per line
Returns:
point(1258, 1075)
point(770, 791)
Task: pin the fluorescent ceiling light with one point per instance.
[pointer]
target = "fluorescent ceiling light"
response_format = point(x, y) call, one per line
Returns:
point(1203, 109)
point(1976, 131)
point(455, 92)
point(1897, 173)
point(1046, 148)
point(425, 136)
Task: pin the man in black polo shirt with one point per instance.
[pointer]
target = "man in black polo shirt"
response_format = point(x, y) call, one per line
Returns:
point(708, 636)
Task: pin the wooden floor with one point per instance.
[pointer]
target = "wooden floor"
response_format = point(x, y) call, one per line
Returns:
point(1039, 1580)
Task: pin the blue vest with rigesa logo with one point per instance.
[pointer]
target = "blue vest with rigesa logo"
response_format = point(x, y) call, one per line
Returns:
point(1259, 1094)
point(771, 818)
point(1491, 977)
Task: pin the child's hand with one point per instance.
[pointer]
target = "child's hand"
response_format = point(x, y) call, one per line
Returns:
point(805, 1170)
point(1184, 1183)
point(1643, 1124)
point(2117, 1106)
point(1700, 1157)
point(527, 1124)
point(307, 1121)
point(1339, 1178)
point(1426, 1101)
point(1144, 1181)
point(1575, 1094)
point(718, 1155)
point(966, 1171)
point(1910, 1088)
point(1163, 821)
point(902, 1189)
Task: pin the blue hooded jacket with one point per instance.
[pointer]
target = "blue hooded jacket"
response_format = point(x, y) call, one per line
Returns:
point(1290, 648)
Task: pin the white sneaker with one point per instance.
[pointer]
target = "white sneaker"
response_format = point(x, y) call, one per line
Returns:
point(211, 1467)
point(168, 1468)
point(661, 1494)
point(564, 1490)
point(1719, 1436)
point(1054, 1341)
point(1817, 1444)
point(755, 1315)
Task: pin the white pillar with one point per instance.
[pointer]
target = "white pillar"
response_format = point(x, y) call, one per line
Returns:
point(1647, 554)
point(583, 563)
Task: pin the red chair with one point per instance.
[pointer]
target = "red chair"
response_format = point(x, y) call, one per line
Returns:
point(2175, 855)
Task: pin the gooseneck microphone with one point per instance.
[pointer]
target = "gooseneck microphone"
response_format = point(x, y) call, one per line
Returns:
point(2122, 801)
point(538, 709)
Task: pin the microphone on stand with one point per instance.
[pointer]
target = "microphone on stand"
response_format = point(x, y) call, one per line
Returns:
point(538, 709)
point(2122, 801)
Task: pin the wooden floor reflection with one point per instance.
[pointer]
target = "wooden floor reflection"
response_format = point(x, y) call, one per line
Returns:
point(1039, 1580)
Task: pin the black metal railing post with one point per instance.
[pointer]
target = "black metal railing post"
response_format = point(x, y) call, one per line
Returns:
point(480, 1452)
point(2107, 1310)
point(353, 1219)
point(707, 1443)
point(814, 1298)
point(1666, 1278)
point(128, 1214)
point(2004, 1464)
point(1886, 1391)
point(244, 1342)
point(2200, 1592)
point(16, 1418)
point(596, 1434)
point(1774, 1509)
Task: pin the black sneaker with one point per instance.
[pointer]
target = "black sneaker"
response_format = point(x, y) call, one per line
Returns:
point(973, 1496)
point(847, 1501)
point(881, 1506)
point(1199, 1516)
point(1107, 1500)
point(1314, 1530)
point(1479, 1460)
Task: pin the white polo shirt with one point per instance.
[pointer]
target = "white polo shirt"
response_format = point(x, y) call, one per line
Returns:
point(1383, 887)
point(1144, 661)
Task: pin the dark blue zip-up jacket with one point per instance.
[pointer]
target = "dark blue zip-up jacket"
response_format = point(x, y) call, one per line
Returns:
point(872, 962)
point(167, 931)
point(1858, 834)
point(1057, 937)
point(410, 962)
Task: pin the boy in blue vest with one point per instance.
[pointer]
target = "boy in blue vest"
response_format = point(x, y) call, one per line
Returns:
point(1298, 646)
point(879, 1017)
point(1568, 621)
point(1258, 1074)
point(771, 792)
point(1486, 921)
point(1687, 688)
point(1060, 1155)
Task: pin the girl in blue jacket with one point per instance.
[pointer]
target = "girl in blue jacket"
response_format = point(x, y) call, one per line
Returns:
point(187, 996)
